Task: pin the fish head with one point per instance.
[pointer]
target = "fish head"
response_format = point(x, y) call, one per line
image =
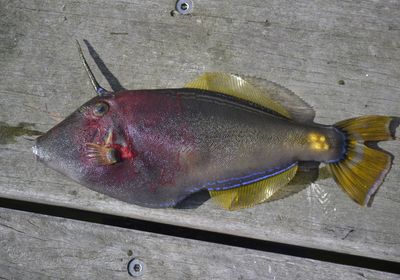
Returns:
point(119, 145)
point(81, 145)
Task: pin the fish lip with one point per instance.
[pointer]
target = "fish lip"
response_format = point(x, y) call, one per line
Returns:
point(35, 150)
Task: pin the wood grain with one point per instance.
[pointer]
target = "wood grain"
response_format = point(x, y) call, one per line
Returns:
point(42, 247)
point(307, 46)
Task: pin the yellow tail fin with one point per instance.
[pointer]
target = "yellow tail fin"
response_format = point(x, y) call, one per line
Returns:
point(365, 165)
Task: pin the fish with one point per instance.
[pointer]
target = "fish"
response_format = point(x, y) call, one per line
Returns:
point(221, 133)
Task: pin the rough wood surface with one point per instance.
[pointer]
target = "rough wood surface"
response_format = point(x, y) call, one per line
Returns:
point(42, 247)
point(307, 46)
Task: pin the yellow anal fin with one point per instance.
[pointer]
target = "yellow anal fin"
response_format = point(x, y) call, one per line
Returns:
point(237, 87)
point(252, 194)
point(362, 171)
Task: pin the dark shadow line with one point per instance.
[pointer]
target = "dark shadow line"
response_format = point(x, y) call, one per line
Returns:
point(111, 79)
point(203, 235)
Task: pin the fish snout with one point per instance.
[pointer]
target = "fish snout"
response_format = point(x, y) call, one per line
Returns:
point(55, 150)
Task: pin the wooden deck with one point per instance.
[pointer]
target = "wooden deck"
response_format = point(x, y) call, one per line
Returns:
point(342, 57)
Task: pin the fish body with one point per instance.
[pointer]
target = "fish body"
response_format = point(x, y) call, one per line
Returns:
point(154, 148)
point(178, 141)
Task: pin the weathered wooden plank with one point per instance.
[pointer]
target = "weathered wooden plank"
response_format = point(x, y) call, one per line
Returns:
point(307, 46)
point(42, 247)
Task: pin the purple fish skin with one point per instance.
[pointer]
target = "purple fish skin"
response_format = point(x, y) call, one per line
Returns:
point(174, 142)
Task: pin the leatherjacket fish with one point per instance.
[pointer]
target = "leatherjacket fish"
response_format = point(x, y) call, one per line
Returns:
point(219, 133)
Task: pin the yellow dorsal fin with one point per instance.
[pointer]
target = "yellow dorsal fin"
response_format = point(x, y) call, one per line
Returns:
point(252, 194)
point(233, 85)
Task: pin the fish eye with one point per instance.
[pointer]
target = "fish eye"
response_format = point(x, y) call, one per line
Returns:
point(100, 109)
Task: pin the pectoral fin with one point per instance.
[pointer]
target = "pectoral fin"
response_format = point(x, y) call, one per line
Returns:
point(102, 154)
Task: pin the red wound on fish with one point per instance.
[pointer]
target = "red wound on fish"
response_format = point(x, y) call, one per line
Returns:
point(125, 152)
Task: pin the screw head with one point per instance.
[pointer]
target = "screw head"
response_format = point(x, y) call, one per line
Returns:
point(136, 267)
point(184, 7)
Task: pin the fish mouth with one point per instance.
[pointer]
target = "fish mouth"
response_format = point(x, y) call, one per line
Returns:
point(39, 152)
